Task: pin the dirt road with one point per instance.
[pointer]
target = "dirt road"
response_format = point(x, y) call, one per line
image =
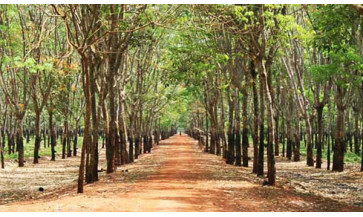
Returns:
point(178, 176)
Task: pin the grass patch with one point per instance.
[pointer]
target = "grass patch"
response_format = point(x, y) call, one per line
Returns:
point(349, 157)
point(29, 149)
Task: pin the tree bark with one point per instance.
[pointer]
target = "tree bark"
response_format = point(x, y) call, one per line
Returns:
point(75, 139)
point(296, 139)
point(262, 129)
point(93, 166)
point(338, 157)
point(87, 122)
point(53, 141)
point(356, 133)
point(231, 135)
point(19, 141)
point(320, 137)
point(255, 118)
point(277, 115)
point(2, 144)
point(244, 123)
point(37, 137)
point(237, 129)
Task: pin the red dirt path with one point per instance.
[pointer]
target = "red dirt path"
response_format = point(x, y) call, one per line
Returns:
point(178, 176)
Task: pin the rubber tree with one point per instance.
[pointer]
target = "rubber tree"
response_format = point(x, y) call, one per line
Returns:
point(15, 69)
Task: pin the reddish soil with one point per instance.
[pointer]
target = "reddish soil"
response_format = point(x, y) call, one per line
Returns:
point(178, 176)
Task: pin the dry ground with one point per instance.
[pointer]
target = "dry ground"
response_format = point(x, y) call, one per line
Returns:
point(344, 186)
point(54, 176)
point(178, 176)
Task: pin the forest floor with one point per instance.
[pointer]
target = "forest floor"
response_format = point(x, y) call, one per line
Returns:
point(179, 176)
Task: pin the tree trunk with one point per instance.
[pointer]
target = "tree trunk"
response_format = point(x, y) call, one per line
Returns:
point(255, 118)
point(296, 140)
point(244, 123)
point(213, 139)
point(268, 91)
point(53, 140)
point(356, 133)
point(231, 135)
point(223, 132)
point(75, 139)
point(283, 137)
point(19, 142)
point(137, 146)
point(330, 139)
point(150, 142)
point(123, 133)
point(328, 154)
point(10, 142)
point(349, 133)
point(309, 154)
point(87, 122)
point(117, 150)
point(110, 147)
point(37, 137)
point(45, 141)
point(319, 111)
point(206, 131)
point(92, 175)
point(277, 116)
point(69, 140)
point(2, 144)
point(64, 138)
point(262, 129)
point(338, 157)
point(145, 142)
point(237, 130)
point(131, 149)
point(217, 143)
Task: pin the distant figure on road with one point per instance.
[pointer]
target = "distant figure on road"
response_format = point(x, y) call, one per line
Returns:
point(180, 133)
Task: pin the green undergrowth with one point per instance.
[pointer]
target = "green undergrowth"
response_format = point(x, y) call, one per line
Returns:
point(44, 151)
point(349, 157)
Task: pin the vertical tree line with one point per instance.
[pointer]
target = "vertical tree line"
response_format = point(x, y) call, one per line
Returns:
point(250, 82)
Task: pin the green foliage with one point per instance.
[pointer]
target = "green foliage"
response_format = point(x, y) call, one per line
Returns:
point(333, 26)
point(176, 111)
point(321, 73)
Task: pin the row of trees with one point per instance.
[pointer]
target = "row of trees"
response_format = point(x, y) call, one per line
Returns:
point(95, 70)
point(129, 74)
point(279, 73)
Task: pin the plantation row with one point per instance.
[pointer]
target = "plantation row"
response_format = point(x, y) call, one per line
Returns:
point(237, 76)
